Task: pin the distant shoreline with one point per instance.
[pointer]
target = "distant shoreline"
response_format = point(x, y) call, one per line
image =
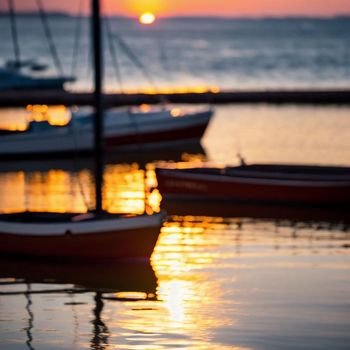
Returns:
point(194, 18)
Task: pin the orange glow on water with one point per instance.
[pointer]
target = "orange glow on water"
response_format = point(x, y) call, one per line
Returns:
point(125, 191)
point(197, 89)
point(55, 115)
point(176, 112)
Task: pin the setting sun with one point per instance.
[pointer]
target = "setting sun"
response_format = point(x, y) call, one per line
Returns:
point(147, 18)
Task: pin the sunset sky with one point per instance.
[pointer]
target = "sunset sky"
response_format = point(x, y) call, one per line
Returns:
point(233, 8)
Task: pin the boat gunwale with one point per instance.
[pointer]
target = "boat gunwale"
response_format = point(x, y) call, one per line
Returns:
point(192, 174)
point(78, 228)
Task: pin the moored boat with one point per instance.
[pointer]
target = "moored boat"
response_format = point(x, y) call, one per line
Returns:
point(261, 183)
point(11, 79)
point(12, 76)
point(123, 130)
point(85, 237)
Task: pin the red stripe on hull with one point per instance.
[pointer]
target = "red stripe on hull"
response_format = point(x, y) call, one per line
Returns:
point(240, 191)
point(129, 244)
point(193, 132)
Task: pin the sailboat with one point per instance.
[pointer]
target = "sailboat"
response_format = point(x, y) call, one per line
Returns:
point(96, 236)
point(125, 129)
point(12, 76)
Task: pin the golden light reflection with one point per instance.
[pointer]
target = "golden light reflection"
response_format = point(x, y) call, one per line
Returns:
point(199, 89)
point(194, 159)
point(14, 119)
point(13, 190)
point(55, 191)
point(176, 112)
point(145, 108)
point(55, 115)
point(17, 119)
point(125, 191)
point(191, 301)
point(131, 295)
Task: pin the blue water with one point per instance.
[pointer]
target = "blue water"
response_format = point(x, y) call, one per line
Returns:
point(226, 53)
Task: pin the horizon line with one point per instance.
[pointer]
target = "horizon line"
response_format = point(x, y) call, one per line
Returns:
point(190, 16)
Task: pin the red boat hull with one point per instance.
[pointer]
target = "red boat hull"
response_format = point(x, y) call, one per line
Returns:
point(81, 241)
point(179, 184)
point(132, 244)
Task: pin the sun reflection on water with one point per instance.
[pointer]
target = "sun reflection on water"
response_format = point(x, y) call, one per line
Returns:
point(190, 303)
point(182, 261)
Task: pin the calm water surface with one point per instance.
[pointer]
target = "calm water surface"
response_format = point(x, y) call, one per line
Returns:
point(194, 53)
point(214, 282)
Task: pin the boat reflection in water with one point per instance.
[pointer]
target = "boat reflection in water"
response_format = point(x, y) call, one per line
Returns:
point(256, 211)
point(82, 278)
point(130, 282)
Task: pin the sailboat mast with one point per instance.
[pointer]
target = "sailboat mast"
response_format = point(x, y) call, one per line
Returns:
point(14, 33)
point(98, 115)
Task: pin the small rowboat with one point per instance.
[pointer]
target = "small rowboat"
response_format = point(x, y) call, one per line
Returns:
point(261, 183)
point(85, 237)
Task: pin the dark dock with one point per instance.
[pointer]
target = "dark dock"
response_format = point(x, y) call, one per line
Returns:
point(17, 98)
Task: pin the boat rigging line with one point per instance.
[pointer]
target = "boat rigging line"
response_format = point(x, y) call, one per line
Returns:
point(14, 34)
point(128, 51)
point(114, 56)
point(49, 37)
point(78, 30)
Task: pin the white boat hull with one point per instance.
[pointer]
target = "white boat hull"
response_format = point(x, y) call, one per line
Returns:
point(123, 131)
